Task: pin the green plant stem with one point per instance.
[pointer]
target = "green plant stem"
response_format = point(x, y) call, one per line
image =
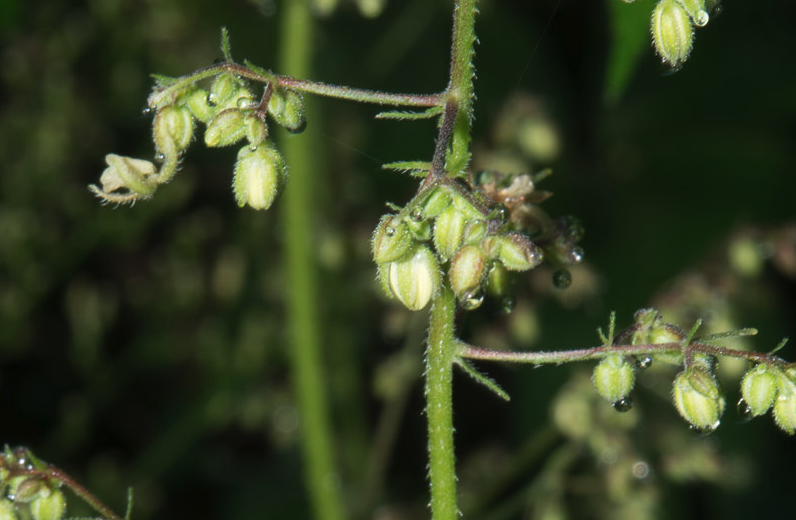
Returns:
point(439, 406)
point(302, 315)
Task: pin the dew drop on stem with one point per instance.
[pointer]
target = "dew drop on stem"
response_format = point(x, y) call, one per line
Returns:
point(644, 362)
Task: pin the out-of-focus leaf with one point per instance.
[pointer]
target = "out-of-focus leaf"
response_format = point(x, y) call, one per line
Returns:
point(630, 28)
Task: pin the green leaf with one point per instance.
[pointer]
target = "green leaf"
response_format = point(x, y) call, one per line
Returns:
point(225, 48)
point(415, 168)
point(258, 70)
point(630, 29)
point(481, 378)
point(410, 116)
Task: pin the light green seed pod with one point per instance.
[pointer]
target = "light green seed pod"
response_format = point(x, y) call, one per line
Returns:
point(172, 129)
point(287, 109)
point(259, 174)
point(448, 232)
point(467, 271)
point(226, 128)
point(414, 279)
point(391, 240)
point(698, 398)
point(672, 32)
point(614, 378)
point(49, 506)
point(759, 388)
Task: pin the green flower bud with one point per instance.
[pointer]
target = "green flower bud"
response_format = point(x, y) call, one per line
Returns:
point(785, 404)
point(474, 231)
point(414, 279)
point(136, 175)
point(514, 250)
point(197, 104)
point(759, 388)
point(672, 32)
point(172, 129)
point(7, 510)
point(258, 176)
point(49, 506)
point(614, 378)
point(696, 10)
point(226, 128)
point(467, 271)
point(287, 109)
point(698, 398)
point(435, 203)
point(23, 488)
point(465, 207)
point(420, 229)
point(256, 130)
point(222, 90)
point(448, 232)
point(497, 280)
point(391, 240)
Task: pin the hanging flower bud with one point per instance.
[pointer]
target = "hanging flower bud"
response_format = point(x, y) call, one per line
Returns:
point(172, 129)
point(197, 104)
point(391, 240)
point(448, 232)
point(785, 404)
point(672, 32)
point(137, 176)
point(287, 109)
point(614, 378)
point(258, 176)
point(414, 278)
point(49, 506)
point(222, 90)
point(497, 280)
point(698, 398)
point(435, 203)
point(759, 388)
point(226, 128)
point(467, 271)
point(514, 250)
point(256, 130)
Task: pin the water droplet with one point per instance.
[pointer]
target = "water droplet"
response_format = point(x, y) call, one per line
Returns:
point(22, 461)
point(562, 278)
point(417, 214)
point(252, 147)
point(160, 157)
point(11, 496)
point(703, 430)
point(702, 18)
point(624, 404)
point(507, 304)
point(644, 362)
point(244, 103)
point(473, 299)
point(390, 231)
point(576, 254)
point(146, 111)
point(641, 470)
point(574, 226)
point(500, 213)
point(212, 99)
point(744, 410)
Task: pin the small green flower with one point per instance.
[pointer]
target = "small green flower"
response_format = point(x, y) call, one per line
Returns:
point(258, 176)
point(226, 128)
point(672, 32)
point(614, 378)
point(391, 240)
point(698, 398)
point(759, 388)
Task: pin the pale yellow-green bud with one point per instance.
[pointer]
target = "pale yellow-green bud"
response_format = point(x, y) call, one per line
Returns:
point(672, 32)
point(256, 129)
point(614, 378)
point(698, 398)
point(136, 175)
point(7, 510)
point(474, 231)
point(435, 203)
point(497, 280)
point(49, 506)
point(448, 232)
point(222, 90)
point(226, 128)
point(287, 109)
point(172, 129)
point(258, 176)
point(785, 404)
point(197, 104)
point(391, 240)
point(514, 250)
point(414, 278)
point(467, 271)
point(759, 388)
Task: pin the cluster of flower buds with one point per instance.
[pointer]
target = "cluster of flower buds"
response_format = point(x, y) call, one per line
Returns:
point(450, 225)
point(673, 28)
point(231, 114)
point(26, 490)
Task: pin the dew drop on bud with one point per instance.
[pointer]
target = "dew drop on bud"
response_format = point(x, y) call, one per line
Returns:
point(507, 304)
point(562, 278)
point(472, 300)
point(212, 99)
point(644, 362)
point(390, 231)
point(160, 157)
point(624, 404)
point(744, 410)
point(576, 255)
point(703, 430)
point(244, 103)
point(146, 111)
point(501, 213)
point(417, 214)
point(252, 147)
point(702, 18)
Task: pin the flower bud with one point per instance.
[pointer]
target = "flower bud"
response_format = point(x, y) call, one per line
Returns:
point(258, 176)
point(465, 207)
point(497, 280)
point(614, 378)
point(256, 130)
point(474, 231)
point(24, 489)
point(391, 240)
point(467, 271)
point(759, 388)
point(696, 10)
point(49, 506)
point(226, 128)
point(672, 32)
point(414, 278)
point(287, 109)
point(197, 104)
point(514, 250)
point(222, 90)
point(435, 203)
point(172, 129)
point(785, 404)
point(698, 398)
point(7, 510)
point(448, 232)
point(136, 175)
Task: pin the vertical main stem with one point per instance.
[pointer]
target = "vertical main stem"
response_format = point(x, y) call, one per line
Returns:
point(460, 88)
point(302, 316)
point(439, 406)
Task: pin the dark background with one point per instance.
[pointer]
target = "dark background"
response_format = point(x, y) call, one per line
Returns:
point(144, 346)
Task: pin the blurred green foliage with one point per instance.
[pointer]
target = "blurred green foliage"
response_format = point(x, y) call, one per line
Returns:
point(144, 346)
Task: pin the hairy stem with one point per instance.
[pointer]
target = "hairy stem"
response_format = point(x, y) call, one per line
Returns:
point(302, 315)
point(439, 406)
